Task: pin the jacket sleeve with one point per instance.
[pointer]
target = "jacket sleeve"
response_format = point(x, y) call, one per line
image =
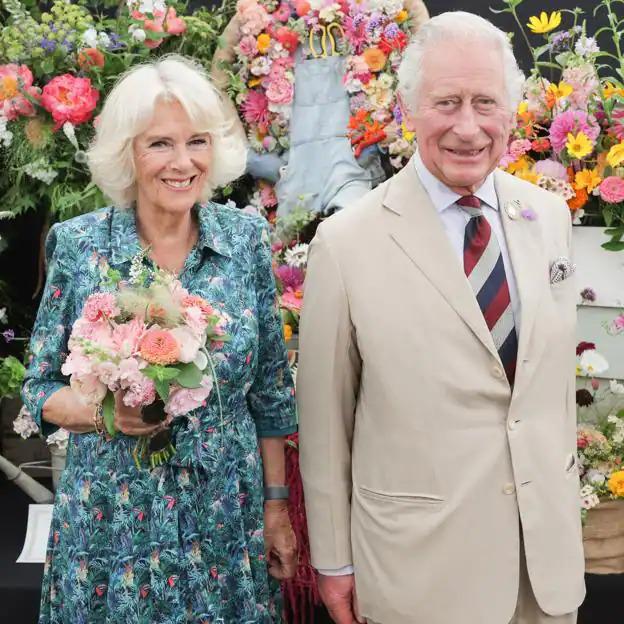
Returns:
point(327, 389)
point(271, 397)
point(48, 343)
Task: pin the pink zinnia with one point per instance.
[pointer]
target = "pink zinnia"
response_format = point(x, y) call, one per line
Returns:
point(292, 300)
point(575, 122)
point(612, 190)
point(519, 148)
point(256, 108)
point(291, 277)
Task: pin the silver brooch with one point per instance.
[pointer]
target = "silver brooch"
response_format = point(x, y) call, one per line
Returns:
point(561, 269)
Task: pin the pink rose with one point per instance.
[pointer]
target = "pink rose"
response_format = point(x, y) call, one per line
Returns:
point(279, 90)
point(14, 79)
point(188, 341)
point(127, 336)
point(100, 306)
point(68, 98)
point(183, 400)
point(612, 190)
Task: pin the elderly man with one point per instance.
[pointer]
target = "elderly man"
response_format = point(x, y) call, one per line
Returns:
point(436, 383)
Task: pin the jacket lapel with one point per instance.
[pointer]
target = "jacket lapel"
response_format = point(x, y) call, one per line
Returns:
point(416, 228)
point(526, 251)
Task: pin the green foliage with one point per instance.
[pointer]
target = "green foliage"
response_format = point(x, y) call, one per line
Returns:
point(12, 373)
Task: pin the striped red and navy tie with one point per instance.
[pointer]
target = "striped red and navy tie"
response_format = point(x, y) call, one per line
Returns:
point(484, 268)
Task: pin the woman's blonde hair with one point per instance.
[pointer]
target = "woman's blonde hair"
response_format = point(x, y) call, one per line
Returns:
point(129, 108)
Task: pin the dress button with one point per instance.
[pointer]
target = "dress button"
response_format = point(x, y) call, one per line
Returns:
point(512, 424)
point(509, 488)
point(498, 372)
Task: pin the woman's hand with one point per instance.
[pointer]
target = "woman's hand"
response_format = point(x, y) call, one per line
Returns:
point(65, 409)
point(280, 545)
point(128, 420)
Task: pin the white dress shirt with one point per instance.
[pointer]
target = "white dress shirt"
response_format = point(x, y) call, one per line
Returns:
point(454, 219)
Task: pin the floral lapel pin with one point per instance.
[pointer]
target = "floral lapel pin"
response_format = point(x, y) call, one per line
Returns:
point(515, 210)
point(561, 269)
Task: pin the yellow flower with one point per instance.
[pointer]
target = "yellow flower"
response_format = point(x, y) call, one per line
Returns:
point(610, 89)
point(523, 163)
point(544, 23)
point(615, 157)
point(523, 107)
point(528, 175)
point(408, 135)
point(563, 89)
point(587, 179)
point(579, 146)
point(402, 16)
point(263, 42)
point(616, 483)
point(254, 82)
point(288, 332)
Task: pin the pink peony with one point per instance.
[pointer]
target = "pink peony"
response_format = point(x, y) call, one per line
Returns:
point(247, 46)
point(255, 108)
point(612, 190)
point(100, 306)
point(183, 400)
point(69, 98)
point(14, 80)
point(280, 90)
point(552, 169)
point(141, 392)
point(575, 122)
point(127, 336)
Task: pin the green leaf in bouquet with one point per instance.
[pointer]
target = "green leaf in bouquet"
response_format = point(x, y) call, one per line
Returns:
point(190, 376)
point(160, 373)
point(162, 387)
point(607, 214)
point(541, 50)
point(613, 246)
point(108, 413)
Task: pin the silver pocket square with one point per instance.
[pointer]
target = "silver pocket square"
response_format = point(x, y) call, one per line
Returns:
point(561, 269)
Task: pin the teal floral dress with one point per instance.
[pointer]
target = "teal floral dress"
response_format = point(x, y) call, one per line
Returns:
point(182, 542)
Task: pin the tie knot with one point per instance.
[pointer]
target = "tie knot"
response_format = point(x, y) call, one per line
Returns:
point(469, 201)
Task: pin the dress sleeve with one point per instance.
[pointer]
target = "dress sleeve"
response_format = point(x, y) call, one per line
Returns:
point(271, 396)
point(48, 342)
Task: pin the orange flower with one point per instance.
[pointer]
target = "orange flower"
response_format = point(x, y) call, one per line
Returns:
point(159, 347)
point(375, 58)
point(540, 145)
point(288, 332)
point(579, 200)
point(90, 57)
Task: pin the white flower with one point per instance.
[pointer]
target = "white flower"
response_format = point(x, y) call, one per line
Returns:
point(90, 38)
point(3, 316)
point(70, 133)
point(297, 256)
point(260, 66)
point(6, 136)
point(328, 13)
point(586, 490)
point(615, 387)
point(104, 40)
point(588, 502)
point(595, 476)
point(591, 363)
point(138, 34)
point(24, 424)
point(59, 439)
point(586, 46)
point(40, 170)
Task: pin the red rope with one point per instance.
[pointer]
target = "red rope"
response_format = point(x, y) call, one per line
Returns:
point(301, 592)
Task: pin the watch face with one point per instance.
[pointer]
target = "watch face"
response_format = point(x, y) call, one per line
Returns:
point(154, 413)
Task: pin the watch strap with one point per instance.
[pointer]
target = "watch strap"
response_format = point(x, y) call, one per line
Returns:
point(276, 492)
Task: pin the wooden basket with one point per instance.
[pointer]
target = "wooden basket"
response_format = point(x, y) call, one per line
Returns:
point(603, 538)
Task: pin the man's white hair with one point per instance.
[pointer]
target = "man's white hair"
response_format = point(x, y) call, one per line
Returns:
point(129, 108)
point(447, 28)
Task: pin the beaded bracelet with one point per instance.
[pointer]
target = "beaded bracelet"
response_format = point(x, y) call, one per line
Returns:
point(98, 420)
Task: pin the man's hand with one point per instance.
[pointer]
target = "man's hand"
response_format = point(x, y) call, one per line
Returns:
point(338, 595)
point(280, 544)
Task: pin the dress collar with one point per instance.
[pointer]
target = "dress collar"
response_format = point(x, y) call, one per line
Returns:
point(125, 243)
point(442, 197)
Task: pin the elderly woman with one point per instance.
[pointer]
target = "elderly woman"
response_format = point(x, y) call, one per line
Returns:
point(194, 540)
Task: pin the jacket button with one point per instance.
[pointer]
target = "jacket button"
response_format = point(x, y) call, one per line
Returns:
point(509, 488)
point(498, 372)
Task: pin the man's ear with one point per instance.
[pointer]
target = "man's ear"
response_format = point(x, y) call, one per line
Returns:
point(405, 113)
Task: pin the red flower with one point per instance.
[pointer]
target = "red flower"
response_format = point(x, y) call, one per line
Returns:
point(69, 98)
point(288, 38)
point(584, 346)
point(398, 42)
point(90, 57)
point(540, 145)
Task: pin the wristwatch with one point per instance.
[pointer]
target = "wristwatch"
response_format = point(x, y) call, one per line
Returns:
point(275, 492)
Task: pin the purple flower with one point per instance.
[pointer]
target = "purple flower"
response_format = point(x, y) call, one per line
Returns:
point(8, 335)
point(529, 214)
point(291, 277)
point(398, 114)
point(588, 294)
point(559, 41)
point(115, 42)
point(48, 45)
point(391, 30)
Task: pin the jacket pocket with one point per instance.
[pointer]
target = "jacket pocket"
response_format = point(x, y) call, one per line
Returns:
point(399, 497)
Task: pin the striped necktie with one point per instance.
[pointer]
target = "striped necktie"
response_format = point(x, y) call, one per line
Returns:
point(484, 268)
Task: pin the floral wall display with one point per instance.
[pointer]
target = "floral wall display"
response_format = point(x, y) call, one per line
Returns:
point(569, 136)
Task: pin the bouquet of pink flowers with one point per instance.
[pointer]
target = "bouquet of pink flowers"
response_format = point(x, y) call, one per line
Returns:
point(152, 342)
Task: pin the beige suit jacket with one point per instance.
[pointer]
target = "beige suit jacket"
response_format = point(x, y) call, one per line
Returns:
point(417, 458)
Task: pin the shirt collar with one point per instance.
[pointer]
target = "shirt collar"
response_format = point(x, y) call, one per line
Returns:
point(125, 243)
point(442, 196)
